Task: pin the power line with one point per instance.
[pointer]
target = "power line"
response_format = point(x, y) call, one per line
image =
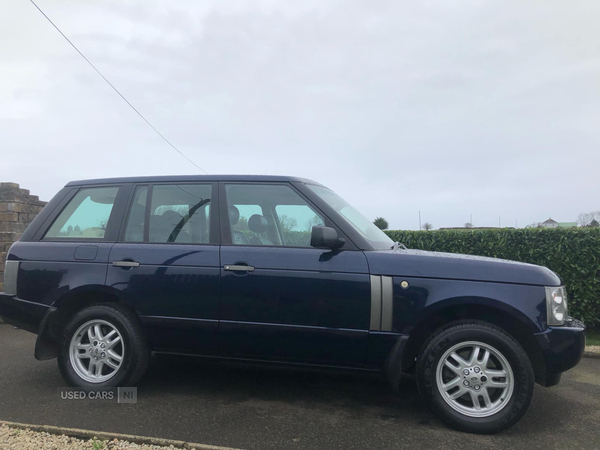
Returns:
point(116, 90)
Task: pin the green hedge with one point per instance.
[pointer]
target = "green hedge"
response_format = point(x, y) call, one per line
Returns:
point(573, 253)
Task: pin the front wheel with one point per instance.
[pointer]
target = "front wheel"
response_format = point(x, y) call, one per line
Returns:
point(103, 346)
point(475, 377)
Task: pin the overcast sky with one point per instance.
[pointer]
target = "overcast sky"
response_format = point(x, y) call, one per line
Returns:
point(453, 108)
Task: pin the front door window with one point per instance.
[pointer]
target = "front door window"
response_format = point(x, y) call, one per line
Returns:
point(269, 215)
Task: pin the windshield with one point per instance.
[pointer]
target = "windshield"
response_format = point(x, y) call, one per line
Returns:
point(377, 238)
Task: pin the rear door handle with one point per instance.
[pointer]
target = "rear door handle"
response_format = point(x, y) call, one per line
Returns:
point(126, 264)
point(238, 268)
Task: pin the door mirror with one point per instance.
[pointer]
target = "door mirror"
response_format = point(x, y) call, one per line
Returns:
point(325, 237)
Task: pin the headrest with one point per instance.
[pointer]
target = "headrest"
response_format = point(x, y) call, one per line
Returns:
point(171, 217)
point(257, 223)
point(234, 215)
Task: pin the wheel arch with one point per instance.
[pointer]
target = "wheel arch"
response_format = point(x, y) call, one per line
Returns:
point(64, 308)
point(509, 319)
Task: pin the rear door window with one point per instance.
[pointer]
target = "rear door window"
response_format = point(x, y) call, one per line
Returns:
point(180, 213)
point(137, 214)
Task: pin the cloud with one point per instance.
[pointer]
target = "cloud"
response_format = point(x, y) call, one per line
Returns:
point(451, 108)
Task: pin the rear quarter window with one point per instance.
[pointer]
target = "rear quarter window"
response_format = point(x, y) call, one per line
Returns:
point(85, 216)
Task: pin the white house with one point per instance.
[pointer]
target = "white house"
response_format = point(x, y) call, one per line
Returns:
point(550, 223)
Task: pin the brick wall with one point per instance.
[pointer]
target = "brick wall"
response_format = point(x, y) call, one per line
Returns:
point(17, 210)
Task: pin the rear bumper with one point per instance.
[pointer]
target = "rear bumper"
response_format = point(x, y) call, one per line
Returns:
point(22, 313)
point(562, 348)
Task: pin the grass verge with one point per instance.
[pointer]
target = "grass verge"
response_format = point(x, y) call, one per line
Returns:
point(592, 337)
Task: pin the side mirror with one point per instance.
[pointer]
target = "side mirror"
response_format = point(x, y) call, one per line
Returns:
point(325, 237)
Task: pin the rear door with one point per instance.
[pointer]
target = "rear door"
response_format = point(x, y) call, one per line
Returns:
point(280, 298)
point(166, 264)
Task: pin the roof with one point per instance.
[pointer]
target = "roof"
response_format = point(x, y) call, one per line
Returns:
point(192, 178)
point(567, 224)
point(474, 228)
point(550, 221)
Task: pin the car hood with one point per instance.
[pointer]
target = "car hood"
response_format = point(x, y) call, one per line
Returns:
point(423, 264)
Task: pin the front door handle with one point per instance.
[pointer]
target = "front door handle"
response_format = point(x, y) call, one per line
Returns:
point(126, 264)
point(238, 268)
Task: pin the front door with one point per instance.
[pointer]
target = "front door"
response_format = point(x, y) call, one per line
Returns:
point(280, 298)
point(166, 265)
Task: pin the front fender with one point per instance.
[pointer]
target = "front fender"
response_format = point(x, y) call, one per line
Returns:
point(422, 297)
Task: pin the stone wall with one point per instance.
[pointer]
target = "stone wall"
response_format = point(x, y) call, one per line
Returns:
point(17, 210)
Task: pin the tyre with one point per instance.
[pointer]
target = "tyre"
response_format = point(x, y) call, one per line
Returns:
point(103, 346)
point(475, 377)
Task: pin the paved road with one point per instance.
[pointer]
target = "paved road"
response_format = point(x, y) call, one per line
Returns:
point(264, 408)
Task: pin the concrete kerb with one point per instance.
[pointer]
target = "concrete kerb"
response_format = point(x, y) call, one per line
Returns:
point(90, 434)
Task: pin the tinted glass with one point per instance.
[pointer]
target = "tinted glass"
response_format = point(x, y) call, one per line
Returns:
point(377, 238)
point(137, 214)
point(262, 214)
point(180, 213)
point(296, 222)
point(86, 215)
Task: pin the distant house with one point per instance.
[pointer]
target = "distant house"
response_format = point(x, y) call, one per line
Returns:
point(550, 223)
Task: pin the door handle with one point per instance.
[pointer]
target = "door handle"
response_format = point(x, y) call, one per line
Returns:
point(238, 268)
point(126, 264)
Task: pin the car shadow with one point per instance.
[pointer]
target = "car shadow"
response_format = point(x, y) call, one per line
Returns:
point(230, 382)
point(354, 393)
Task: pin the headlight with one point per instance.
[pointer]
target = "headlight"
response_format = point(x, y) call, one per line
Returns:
point(556, 305)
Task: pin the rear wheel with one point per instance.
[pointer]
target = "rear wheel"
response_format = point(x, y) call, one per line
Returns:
point(103, 346)
point(475, 377)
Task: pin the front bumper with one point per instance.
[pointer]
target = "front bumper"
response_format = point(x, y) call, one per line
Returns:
point(22, 313)
point(562, 349)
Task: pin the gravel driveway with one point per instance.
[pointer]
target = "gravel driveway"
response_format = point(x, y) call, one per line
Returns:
point(17, 439)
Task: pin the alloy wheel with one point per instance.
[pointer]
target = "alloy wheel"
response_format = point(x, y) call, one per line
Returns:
point(475, 379)
point(97, 351)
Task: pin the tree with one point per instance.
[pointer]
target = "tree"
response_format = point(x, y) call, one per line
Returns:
point(468, 225)
point(314, 221)
point(427, 226)
point(241, 225)
point(584, 219)
point(287, 223)
point(594, 223)
point(381, 223)
point(534, 225)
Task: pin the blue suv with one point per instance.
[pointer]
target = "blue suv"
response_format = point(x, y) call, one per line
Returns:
point(280, 270)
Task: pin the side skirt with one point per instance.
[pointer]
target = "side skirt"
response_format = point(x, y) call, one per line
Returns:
point(268, 362)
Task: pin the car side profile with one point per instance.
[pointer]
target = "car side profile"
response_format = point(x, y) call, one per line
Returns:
point(280, 270)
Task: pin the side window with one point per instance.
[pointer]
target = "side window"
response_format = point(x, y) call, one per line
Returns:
point(86, 215)
point(262, 214)
point(137, 214)
point(180, 213)
point(295, 224)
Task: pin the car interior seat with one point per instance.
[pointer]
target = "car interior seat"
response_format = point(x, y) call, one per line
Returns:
point(163, 226)
point(258, 224)
point(237, 237)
